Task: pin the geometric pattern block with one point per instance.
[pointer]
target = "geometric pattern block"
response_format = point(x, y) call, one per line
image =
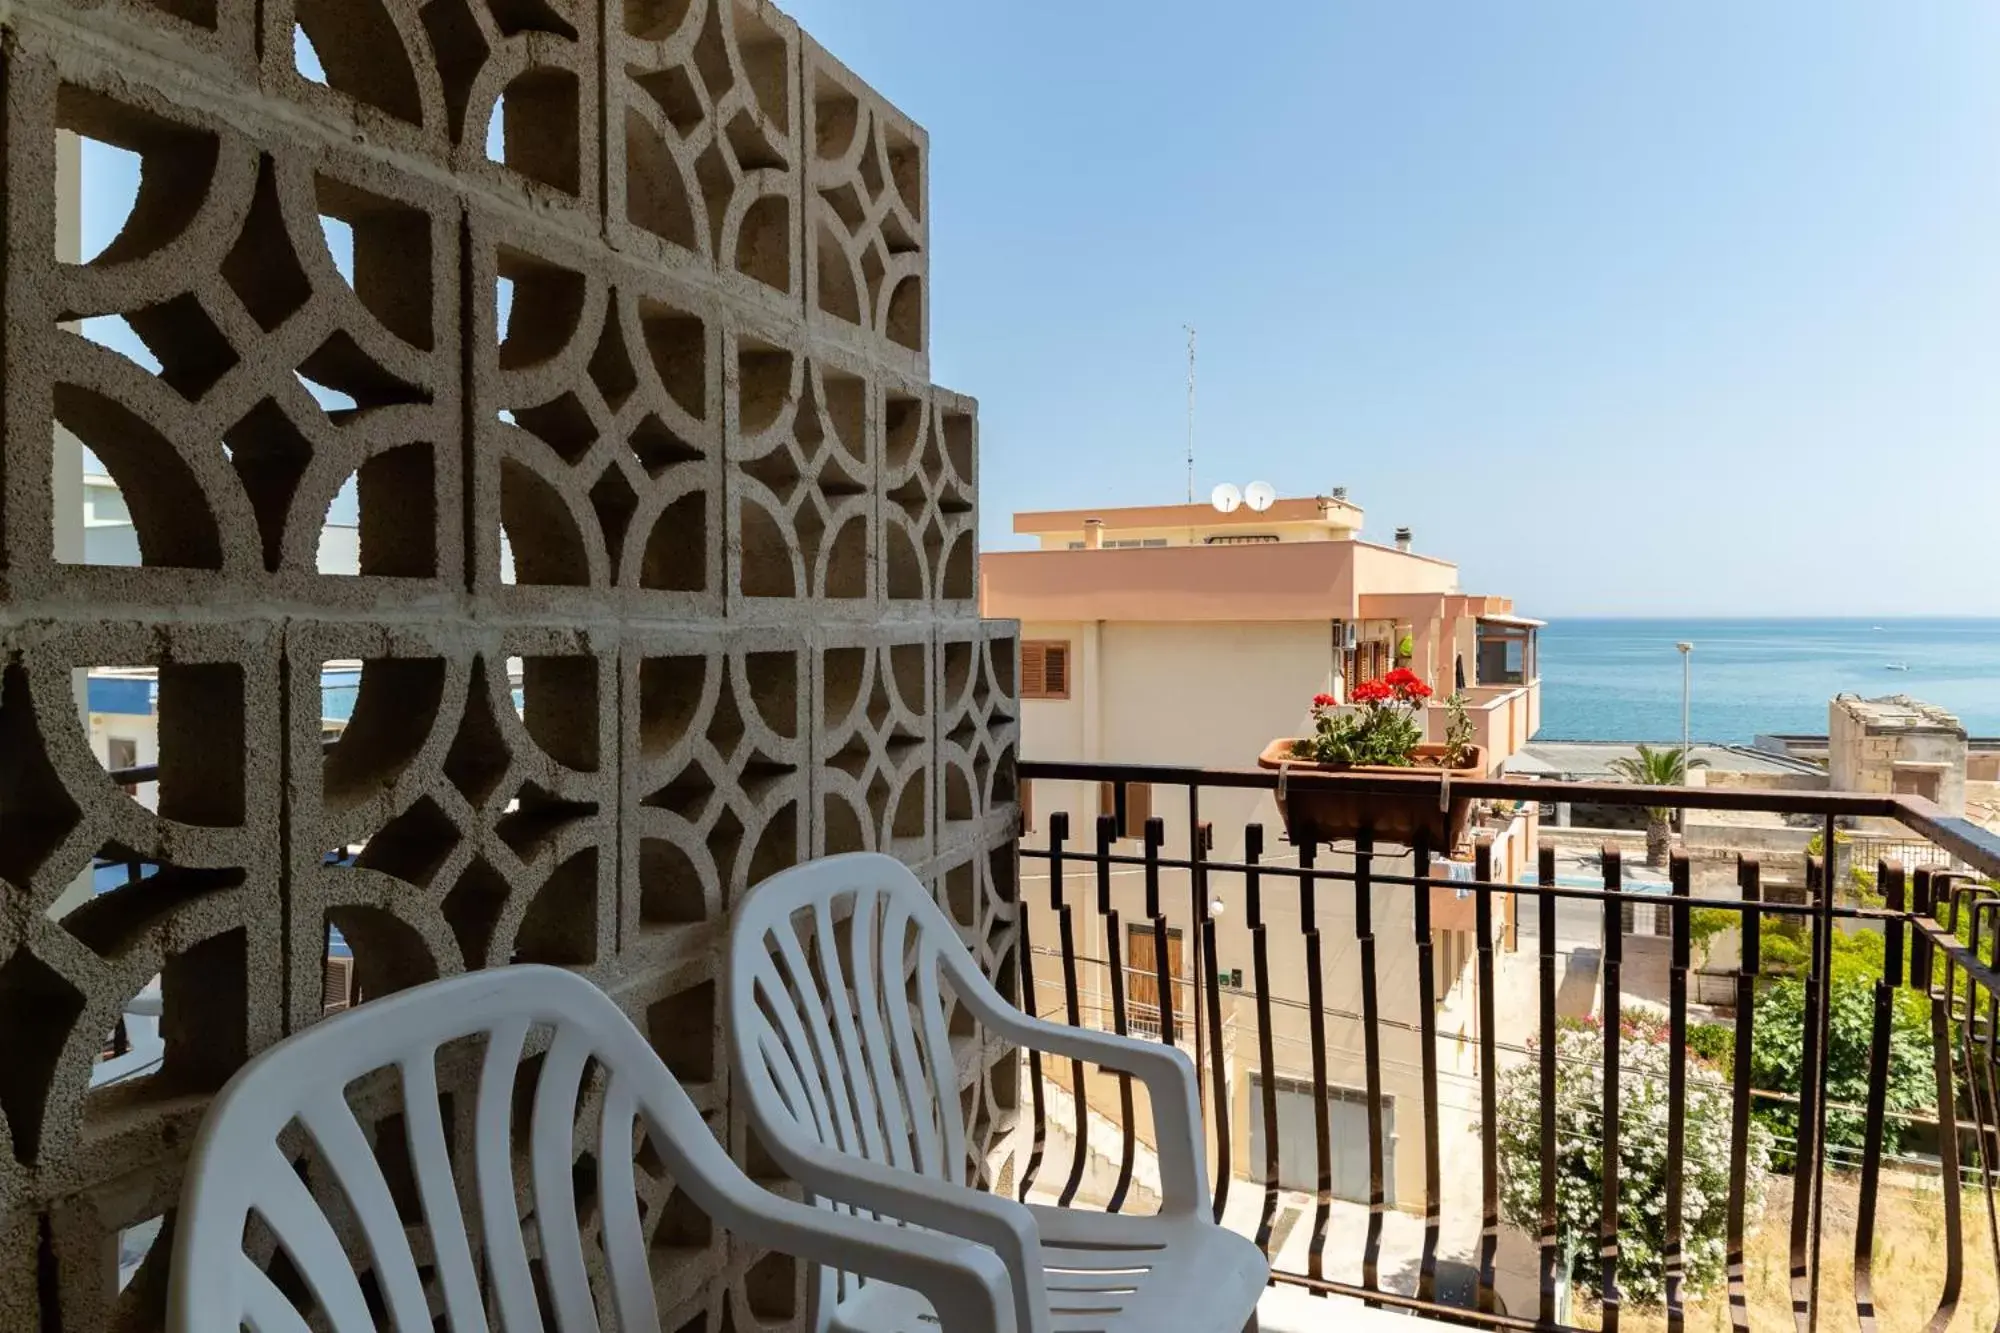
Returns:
point(873, 752)
point(479, 815)
point(453, 81)
point(867, 238)
point(675, 1007)
point(223, 273)
point(978, 732)
point(598, 445)
point(703, 148)
point(929, 463)
point(802, 433)
point(203, 921)
point(715, 791)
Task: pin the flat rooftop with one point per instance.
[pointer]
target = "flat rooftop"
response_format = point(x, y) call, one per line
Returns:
point(1591, 760)
point(1898, 712)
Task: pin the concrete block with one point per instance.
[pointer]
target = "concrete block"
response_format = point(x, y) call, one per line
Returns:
point(978, 732)
point(479, 812)
point(309, 377)
point(874, 752)
point(703, 151)
point(597, 446)
point(867, 217)
point(930, 463)
point(714, 784)
point(505, 96)
point(802, 430)
point(205, 922)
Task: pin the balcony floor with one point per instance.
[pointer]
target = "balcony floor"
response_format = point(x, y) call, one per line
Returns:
point(1288, 1309)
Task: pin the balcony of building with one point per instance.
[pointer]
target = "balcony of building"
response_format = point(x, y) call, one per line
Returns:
point(1377, 1027)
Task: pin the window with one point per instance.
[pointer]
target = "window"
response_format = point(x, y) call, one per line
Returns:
point(1045, 670)
point(1506, 654)
point(1142, 980)
point(1138, 806)
point(121, 753)
point(1242, 539)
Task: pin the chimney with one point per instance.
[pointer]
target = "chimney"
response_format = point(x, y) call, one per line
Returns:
point(1403, 539)
point(1093, 534)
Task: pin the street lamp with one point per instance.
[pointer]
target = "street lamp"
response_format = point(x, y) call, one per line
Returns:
point(1687, 680)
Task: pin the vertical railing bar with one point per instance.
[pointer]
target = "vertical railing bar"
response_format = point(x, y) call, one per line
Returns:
point(1031, 1001)
point(1489, 1077)
point(1979, 1073)
point(1197, 914)
point(1614, 956)
point(1749, 887)
point(1253, 851)
point(1156, 834)
point(1807, 1142)
point(1991, 1111)
point(1427, 1022)
point(1208, 987)
point(1115, 957)
point(1824, 924)
point(1975, 1081)
point(1889, 875)
point(1316, 1001)
point(1546, 928)
point(1922, 957)
point(1058, 899)
point(1371, 1055)
point(1677, 1005)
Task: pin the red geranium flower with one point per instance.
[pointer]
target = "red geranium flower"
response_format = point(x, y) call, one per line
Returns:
point(1325, 701)
point(1373, 692)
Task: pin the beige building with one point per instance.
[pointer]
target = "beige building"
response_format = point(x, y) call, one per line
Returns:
point(1177, 635)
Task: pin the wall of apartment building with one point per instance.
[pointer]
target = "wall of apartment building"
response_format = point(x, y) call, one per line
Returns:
point(1208, 695)
point(668, 342)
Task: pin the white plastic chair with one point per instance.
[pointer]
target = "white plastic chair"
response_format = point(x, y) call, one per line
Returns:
point(838, 1034)
point(238, 1168)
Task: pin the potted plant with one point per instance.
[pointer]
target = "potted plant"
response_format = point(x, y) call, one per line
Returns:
point(1384, 734)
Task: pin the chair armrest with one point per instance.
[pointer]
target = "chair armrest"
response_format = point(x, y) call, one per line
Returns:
point(1166, 1072)
point(1000, 1226)
point(968, 1285)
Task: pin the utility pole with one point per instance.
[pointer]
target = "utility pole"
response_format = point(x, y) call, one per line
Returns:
point(1190, 423)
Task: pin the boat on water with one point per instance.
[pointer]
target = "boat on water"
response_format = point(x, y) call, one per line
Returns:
point(1896, 666)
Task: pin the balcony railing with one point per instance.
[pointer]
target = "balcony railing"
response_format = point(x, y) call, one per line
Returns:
point(1378, 1037)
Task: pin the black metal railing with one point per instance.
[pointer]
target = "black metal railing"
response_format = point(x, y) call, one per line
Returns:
point(1940, 930)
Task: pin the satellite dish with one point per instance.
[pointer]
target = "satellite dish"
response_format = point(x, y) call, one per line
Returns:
point(1226, 499)
point(1260, 495)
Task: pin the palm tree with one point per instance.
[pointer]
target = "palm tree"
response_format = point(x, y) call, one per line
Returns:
point(1657, 768)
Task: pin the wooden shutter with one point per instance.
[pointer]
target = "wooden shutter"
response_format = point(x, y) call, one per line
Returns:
point(1045, 670)
point(1138, 806)
point(336, 991)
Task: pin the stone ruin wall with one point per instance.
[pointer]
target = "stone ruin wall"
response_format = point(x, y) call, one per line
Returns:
point(738, 518)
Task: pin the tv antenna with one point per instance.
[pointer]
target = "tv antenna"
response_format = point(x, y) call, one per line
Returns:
point(1190, 414)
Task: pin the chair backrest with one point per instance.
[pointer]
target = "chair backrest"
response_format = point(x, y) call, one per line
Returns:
point(837, 977)
point(239, 1168)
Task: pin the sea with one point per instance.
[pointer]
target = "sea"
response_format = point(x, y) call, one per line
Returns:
point(1621, 679)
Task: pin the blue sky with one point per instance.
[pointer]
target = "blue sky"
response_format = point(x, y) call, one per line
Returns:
point(1636, 308)
point(1686, 308)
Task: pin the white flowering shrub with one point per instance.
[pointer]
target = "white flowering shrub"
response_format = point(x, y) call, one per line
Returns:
point(1644, 1059)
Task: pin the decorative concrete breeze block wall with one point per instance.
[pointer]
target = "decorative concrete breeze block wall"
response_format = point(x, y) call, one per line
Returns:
point(667, 573)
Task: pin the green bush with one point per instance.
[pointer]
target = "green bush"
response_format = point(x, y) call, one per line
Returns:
point(1715, 1043)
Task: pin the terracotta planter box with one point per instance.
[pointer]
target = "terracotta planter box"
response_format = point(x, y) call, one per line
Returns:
point(1335, 815)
